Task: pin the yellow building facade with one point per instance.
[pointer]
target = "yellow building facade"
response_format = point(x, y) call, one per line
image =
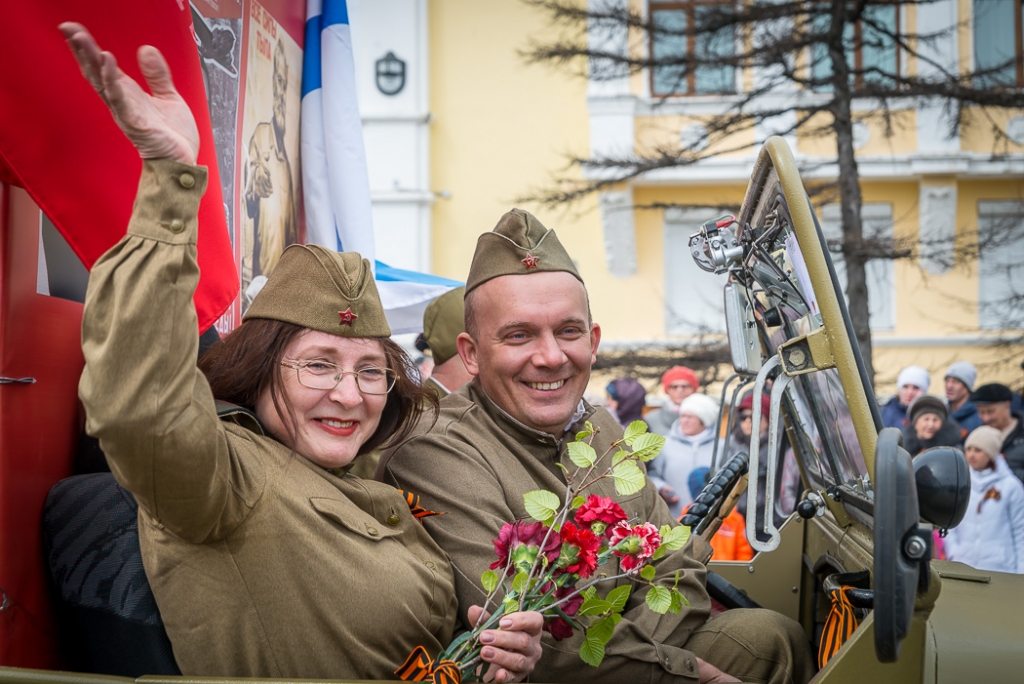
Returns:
point(502, 129)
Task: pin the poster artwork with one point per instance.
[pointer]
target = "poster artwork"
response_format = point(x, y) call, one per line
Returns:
point(269, 193)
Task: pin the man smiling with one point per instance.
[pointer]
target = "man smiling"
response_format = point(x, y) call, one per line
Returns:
point(530, 343)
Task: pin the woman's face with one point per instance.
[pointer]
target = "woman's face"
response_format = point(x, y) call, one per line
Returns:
point(927, 425)
point(690, 424)
point(330, 425)
point(976, 458)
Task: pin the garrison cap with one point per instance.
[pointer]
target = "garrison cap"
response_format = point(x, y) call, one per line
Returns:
point(443, 320)
point(518, 245)
point(320, 289)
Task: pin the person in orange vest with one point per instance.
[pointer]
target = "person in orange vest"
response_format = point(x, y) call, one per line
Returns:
point(730, 542)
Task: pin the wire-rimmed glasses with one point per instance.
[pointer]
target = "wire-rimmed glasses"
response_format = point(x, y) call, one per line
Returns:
point(321, 375)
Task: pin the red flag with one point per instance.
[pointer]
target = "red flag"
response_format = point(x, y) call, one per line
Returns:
point(59, 142)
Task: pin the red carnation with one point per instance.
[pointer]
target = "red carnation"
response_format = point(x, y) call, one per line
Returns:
point(557, 627)
point(635, 544)
point(598, 513)
point(519, 534)
point(579, 550)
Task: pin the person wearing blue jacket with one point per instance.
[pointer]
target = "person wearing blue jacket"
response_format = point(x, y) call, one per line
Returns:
point(912, 382)
point(960, 378)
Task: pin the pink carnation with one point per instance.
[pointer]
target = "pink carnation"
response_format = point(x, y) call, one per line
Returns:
point(519, 533)
point(634, 545)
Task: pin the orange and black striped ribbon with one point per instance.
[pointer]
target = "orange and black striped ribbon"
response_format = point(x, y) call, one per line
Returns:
point(413, 501)
point(419, 667)
point(839, 626)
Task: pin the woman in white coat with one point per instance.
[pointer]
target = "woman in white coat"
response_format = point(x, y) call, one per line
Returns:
point(690, 444)
point(991, 536)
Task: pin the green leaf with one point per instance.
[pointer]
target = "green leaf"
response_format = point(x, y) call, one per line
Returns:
point(675, 538)
point(489, 580)
point(510, 606)
point(541, 504)
point(676, 606)
point(520, 582)
point(648, 572)
point(620, 456)
point(594, 606)
point(634, 430)
point(582, 454)
point(602, 630)
point(659, 599)
point(658, 554)
point(648, 445)
point(588, 593)
point(618, 597)
point(583, 434)
point(589, 426)
point(592, 652)
point(577, 502)
point(629, 479)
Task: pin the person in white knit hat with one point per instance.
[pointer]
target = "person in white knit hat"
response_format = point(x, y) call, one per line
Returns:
point(991, 536)
point(960, 378)
point(690, 444)
point(912, 382)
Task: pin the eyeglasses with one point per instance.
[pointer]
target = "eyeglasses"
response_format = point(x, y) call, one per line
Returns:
point(745, 416)
point(320, 375)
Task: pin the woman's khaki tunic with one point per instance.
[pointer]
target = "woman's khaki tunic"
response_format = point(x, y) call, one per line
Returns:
point(262, 563)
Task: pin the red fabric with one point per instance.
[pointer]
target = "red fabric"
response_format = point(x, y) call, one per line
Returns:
point(59, 142)
point(748, 403)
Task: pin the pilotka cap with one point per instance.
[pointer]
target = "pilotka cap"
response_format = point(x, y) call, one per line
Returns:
point(518, 245)
point(320, 289)
point(443, 320)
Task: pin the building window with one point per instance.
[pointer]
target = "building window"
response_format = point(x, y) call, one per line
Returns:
point(1001, 265)
point(693, 297)
point(877, 222)
point(999, 43)
point(672, 36)
point(871, 55)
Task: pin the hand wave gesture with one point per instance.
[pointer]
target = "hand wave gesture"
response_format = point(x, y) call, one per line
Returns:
point(161, 125)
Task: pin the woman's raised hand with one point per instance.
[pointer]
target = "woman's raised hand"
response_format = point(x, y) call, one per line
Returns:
point(160, 125)
point(513, 650)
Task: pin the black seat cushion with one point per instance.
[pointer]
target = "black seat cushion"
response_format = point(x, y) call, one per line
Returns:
point(109, 619)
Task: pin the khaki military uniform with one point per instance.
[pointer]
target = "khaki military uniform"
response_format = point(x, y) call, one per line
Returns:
point(262, 563)
point(476, 463)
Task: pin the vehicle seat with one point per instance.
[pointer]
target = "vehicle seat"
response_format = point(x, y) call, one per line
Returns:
point(109, 619)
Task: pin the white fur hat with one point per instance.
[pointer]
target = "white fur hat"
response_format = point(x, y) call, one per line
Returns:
point(703, 407)
point(916, 376)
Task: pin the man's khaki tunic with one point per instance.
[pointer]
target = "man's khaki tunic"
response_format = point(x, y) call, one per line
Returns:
point(476, 463)
point(262, 563)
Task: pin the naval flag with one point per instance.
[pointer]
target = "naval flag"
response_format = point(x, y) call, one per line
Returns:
point(336, 184)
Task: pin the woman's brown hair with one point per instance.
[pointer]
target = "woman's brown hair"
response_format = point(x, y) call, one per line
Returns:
point(248, 361)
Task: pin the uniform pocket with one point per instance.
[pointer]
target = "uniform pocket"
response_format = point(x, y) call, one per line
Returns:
point(353, 518)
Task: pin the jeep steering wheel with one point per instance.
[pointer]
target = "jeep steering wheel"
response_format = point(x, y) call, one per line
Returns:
point(707, 504)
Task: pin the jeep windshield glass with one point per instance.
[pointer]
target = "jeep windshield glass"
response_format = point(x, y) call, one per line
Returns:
point(820, 415)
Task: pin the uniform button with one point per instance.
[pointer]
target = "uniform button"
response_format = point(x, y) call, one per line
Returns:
point(430, 564)
point(372, 531)
point(187, 180)
point(176, 226)
point(393, 519)
point(689, 665)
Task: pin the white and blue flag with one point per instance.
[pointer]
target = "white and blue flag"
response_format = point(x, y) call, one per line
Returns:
point(336, 185)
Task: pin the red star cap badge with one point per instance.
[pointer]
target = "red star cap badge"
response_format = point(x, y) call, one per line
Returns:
point(530, 261)
point(347, 317)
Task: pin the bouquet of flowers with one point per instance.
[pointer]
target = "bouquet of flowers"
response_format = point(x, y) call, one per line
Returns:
point(552, 564)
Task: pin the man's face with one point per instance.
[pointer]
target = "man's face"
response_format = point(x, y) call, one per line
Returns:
point(280, 88)
point(679, 390)
point(996, 415)
point(956, 391)
point(909, 393)
point(533, 348)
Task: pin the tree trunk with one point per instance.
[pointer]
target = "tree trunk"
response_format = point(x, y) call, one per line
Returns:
point(849, 192)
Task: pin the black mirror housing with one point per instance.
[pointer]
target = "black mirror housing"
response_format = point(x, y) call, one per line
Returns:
point(943, 486)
